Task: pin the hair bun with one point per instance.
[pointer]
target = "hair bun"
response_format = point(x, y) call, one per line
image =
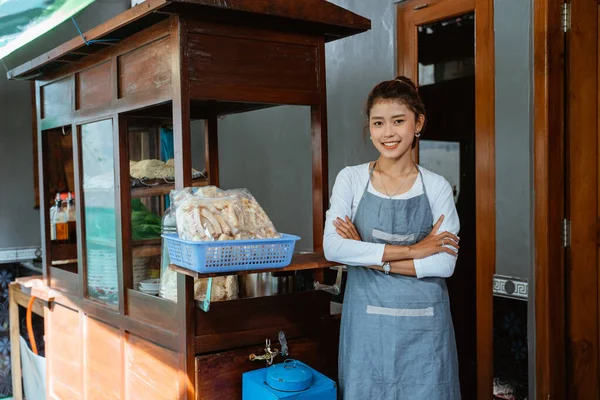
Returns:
point(407, 81)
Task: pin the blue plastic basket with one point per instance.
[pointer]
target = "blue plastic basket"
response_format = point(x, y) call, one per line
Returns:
point(231, 255)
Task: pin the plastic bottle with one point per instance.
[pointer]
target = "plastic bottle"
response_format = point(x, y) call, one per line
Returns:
point(53, 211)
point(61, 227)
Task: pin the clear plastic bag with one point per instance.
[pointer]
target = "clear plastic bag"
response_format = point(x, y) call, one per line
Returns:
point(209, 213)
point(208, 219)
point(257, 224)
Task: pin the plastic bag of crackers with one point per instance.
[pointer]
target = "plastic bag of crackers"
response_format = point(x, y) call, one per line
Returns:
point(210, 214)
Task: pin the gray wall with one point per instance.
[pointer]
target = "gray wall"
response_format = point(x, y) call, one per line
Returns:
point(269, 151)
point(19, 221)
point(514, 234)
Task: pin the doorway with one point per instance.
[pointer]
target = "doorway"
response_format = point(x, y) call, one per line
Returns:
point(437, 48)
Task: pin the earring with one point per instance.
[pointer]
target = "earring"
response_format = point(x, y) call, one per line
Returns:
point(417, 134)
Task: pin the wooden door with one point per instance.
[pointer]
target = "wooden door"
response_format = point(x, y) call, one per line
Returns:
point(472, 138)
point(582, 205)
point(549, 201)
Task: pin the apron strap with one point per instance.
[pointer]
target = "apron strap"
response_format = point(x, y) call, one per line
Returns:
point(370, 176)
point(422, 181)
point(425, 192)
point(366, 188)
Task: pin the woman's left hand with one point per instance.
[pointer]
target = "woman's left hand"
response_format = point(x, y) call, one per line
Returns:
point(346, 229)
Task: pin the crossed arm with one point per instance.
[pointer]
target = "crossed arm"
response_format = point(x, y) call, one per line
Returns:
point(401, 258)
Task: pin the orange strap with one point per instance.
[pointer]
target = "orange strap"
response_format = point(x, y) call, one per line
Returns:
point(30, 326)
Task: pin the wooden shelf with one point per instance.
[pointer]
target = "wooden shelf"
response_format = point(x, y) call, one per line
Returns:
point(62, 252)
point(301, 261)
point(146, 248)
point(161, 189)
point(150, 250)
point(147, 242)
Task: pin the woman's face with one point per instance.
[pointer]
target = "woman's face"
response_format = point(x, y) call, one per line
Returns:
point(393, 126)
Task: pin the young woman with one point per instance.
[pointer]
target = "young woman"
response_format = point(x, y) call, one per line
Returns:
point(397, 339)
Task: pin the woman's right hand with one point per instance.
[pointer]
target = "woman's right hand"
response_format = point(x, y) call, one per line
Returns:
point(435, 243)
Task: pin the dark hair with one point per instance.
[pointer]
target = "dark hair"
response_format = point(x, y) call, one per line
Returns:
point(401, 89)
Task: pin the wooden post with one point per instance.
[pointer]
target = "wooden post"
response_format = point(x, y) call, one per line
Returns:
point(183, 178)
point(15, 344)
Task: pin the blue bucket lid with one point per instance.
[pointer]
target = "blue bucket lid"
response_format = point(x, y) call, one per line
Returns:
point(291, 376)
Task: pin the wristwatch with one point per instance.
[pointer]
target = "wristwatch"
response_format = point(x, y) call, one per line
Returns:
point(386, 267)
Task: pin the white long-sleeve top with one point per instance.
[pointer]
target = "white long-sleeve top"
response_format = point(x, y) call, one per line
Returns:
point(347, 192)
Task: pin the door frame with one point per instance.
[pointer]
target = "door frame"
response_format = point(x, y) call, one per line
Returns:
point(485, 178)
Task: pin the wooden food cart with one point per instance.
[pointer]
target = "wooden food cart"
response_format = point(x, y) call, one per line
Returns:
point(103, 97)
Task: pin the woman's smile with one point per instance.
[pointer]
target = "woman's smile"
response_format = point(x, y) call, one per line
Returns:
point(391, 145)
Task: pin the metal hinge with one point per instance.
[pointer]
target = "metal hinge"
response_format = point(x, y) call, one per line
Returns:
point(566, 17)
point(566, 233)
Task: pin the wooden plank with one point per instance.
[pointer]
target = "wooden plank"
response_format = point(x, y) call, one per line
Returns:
point(133, 102)
point(64, 251)
point(21, 298)
point(211, 137)
point(57, 98)
point(34, 141)
point(407, 41)
point(109, 54)
point(183, 178)
point(435, 8)
point(219, 376)
point(93, 86)
point(150, 371)
point(485, 192)
point(255, 32)
point(232, 62)
point(244, 322)
point(15, 344)
point(582, 204)
point(152, 310)
point(145, 68)
point(79, 210)
point(549, 194)
point(121, 20)
point(299, 262)
point(150, 332)
point(102, 355)
point(147, 251)
point(42, 149)
point(64, 353)
point(252, 94)
point(199, 110)
point(122, 210)
point(64, 281)
point(320, 166)
point(331, 16)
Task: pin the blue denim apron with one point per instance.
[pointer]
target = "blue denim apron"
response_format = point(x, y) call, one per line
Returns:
point(397, 338)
